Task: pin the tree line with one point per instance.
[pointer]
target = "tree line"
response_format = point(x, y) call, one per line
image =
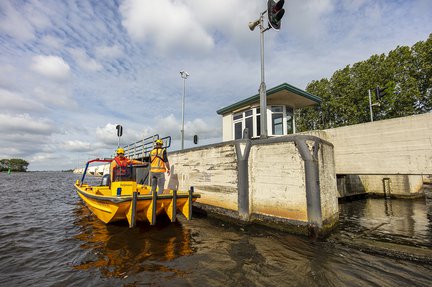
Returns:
point(405, 72)
point(13, 164)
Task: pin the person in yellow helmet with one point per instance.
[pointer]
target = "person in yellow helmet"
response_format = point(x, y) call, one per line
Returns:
point(120, 163)
point(159, 164)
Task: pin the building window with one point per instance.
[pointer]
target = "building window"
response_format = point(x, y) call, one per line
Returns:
point(238, 123)
point(237, 116)
point(249, 122)
point(247, 119)
point(277, 120)
point(289, 120)
point(238, 130)
point(281, 118)
point(258, 121)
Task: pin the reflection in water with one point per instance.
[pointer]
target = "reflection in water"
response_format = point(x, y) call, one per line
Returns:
point(399, 220)
point(388, 207)
point(429, 216)
point(118, 251)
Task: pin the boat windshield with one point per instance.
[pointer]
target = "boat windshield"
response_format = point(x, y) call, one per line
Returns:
point(121, 173)
point(136, 173)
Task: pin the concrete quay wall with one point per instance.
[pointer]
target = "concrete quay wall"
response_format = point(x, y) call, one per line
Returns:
point(372, 156)
point(212, 171)
point(388, 185)
point(286, 182)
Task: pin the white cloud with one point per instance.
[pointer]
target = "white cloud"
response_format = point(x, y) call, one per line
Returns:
point(7, 72)
point(76, 145)
point(110, 52)
point(52, 67)
point(228, 19)
point(25, 124)
point(84, 61)
point(353, 5)
point(170, 125)
point(52, 42)
point(14, 23)
point(55, 95)
point(170, 24)
point(202, 128)
point(107, 134)
point(16, 102)
point(306, 19)
point(35, 13)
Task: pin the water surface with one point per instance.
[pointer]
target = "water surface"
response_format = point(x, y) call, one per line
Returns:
point(49, 238)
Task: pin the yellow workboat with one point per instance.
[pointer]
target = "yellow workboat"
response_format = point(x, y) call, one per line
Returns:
point(124, 198)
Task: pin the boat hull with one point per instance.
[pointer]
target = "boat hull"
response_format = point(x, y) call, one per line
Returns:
point(136, 206)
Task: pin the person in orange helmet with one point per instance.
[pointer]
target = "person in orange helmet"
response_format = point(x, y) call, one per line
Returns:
point(118, 166)
point(158, 166)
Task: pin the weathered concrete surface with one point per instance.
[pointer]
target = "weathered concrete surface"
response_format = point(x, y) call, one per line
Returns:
point(365, 154)
point(394, 146)
point(327, 182)
point(273, 182)
point(390, 185)
point(277, 181)
point(212, 171)
point(393, 185)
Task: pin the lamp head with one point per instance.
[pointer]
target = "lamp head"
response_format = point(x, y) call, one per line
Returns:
point(252, 25)
point(184, 74)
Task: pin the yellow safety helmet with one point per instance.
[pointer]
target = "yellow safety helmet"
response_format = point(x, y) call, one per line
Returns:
point(120, 151)
point(159, 142)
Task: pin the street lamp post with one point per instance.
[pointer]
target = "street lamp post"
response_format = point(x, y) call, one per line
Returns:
point(371, 105)
point(184, 75)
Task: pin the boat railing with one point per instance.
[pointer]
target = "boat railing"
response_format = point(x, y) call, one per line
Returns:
point(142, 148)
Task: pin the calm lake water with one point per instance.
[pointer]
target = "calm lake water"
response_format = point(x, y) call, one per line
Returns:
point(49, 238)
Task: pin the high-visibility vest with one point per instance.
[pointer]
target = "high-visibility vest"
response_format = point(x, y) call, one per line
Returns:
point(121, 166)
point(156, 159)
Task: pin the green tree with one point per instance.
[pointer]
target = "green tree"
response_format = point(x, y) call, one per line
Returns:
point(4, 164)
point(314, 117)
point(423, 67)
point(15, 164)
point(405, 72)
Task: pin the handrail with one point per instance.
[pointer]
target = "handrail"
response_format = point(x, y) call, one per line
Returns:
point(142, 148)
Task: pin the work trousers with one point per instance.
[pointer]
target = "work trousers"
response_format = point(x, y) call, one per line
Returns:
point(158, 179)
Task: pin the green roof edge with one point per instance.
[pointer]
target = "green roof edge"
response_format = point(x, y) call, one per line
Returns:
point(276, 89)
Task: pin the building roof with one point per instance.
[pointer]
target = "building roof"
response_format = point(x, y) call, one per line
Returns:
point(293, 96)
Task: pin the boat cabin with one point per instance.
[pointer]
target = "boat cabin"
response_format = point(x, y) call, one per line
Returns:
point(281, 104)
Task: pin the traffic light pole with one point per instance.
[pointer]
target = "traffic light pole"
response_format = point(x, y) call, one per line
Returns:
point(275, 14)
point(263, 92)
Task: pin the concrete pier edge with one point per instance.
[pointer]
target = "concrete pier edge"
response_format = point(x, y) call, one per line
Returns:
point(316, 226)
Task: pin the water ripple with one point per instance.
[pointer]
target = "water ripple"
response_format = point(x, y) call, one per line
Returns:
point(49, 238)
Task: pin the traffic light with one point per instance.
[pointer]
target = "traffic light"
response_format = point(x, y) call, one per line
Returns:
point(380, 92)
point(195, 139)
point(275, 13)
point(119, 130)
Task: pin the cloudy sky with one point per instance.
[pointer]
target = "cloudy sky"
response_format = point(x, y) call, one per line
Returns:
point(71, 70)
